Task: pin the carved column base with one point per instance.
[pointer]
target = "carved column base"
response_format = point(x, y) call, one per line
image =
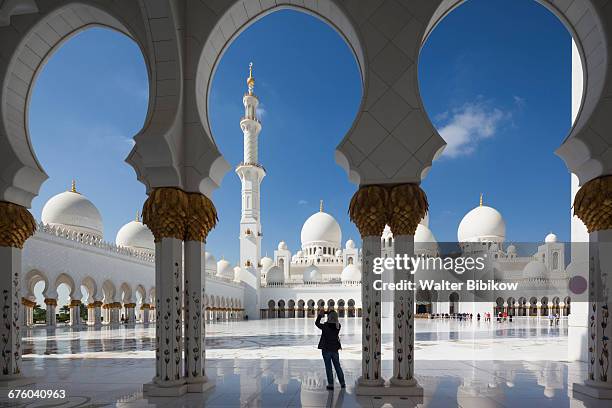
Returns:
point(168, 389)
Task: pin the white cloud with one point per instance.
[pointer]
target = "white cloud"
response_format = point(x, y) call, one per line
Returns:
point(466, 126)
point(302, 202)
point(261, 111)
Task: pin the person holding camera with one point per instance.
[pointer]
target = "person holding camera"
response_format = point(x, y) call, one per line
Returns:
point(329, 344)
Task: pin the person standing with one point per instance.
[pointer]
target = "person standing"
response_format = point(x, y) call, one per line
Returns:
point(329, 344)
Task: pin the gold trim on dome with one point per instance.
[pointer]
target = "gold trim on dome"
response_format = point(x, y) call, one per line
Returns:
point(593, 204)
point(16, 225)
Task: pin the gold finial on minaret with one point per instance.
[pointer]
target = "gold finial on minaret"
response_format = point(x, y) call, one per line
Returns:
point(321, 206)
point(251, 79)
point(73, 187)
point(481, 199)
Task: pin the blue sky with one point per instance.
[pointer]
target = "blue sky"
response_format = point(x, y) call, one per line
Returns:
point(500, 95)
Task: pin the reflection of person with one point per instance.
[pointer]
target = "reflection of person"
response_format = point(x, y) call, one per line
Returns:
point(329, 344)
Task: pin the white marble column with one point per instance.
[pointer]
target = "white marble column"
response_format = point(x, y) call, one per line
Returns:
point(145, 313)
point(75, 312)
point(168, 380)
point(130, 313)
point(10, 302)
point(195, 327)
point(403, 328)
point(51, 316)
point(371, 320)
point(599, 376)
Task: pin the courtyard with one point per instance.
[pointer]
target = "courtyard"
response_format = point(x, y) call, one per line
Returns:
point(275, 363)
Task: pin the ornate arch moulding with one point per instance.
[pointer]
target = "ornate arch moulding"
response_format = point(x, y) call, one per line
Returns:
point(31, 32)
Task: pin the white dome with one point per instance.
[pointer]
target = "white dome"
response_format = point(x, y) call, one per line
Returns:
point(425, 220)
point(135, 235)
point(511, 249)
point(550, 238)
point(224, 269)
point(339, 252)
point(482, 224)
point(424, 241)
point(319, 252)
point(275, 275)
point(351, 273)
point(312, 274)
point(535, 269)
point(299, 253)
point(350, 244)
point(321, 227)
point(74, 211)
point(282, 245)
point(266, 263)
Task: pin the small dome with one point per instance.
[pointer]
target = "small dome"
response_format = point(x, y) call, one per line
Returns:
point(550, 238)
point(482, 224)
point(425, 220)
point(266, 263)
point(282, 246)
point(275, 275)
point(224, 269)
point(350, 244)
point(338, 252)
point(424, 241)
point(299, 253)
point(351, 273)
point(511, 249)
point(321, 227)
point(74, 211)
point(319, 252)
point(535, 269)
point(135, 235)
point(312, 274)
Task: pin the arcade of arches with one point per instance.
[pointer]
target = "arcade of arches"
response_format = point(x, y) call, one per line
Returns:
point(176, 158)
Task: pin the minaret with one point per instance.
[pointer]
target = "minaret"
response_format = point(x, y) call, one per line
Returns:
point(251, 174)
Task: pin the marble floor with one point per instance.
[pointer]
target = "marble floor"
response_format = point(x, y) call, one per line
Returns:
point(275, 363)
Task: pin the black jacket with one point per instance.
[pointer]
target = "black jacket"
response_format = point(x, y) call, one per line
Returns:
point(329, 335)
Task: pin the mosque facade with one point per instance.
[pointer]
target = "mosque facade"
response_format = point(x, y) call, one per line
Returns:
point(116, 281)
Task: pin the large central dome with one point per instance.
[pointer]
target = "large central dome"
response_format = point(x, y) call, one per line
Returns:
point(482, 224)
point(321, 227)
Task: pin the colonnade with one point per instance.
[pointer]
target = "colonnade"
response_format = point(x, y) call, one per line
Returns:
point(98, 313)
point(175, 217)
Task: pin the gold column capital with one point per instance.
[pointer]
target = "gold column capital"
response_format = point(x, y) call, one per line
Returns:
point(51, 302)
point(368, 210)
point(75, 302)
point(407, 207)
point(165, 213)
point(201, 217)
point(170, 212)
point(16, 225)
point(593, 204)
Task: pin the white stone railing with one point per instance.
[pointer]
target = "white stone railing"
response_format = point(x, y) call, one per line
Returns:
point(335, 283)
point(93, 241)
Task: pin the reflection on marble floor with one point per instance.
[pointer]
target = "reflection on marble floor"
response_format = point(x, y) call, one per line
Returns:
point(274, 363)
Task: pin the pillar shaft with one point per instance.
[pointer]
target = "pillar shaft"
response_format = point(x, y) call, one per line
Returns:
point(403, 312)
point(195, 331)
point(168, 328)
point(370, 323)
point(51, 316)
point(75, 313)
point(10, 302)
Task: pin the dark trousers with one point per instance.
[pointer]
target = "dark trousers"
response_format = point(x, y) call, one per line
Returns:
point(330, 357)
